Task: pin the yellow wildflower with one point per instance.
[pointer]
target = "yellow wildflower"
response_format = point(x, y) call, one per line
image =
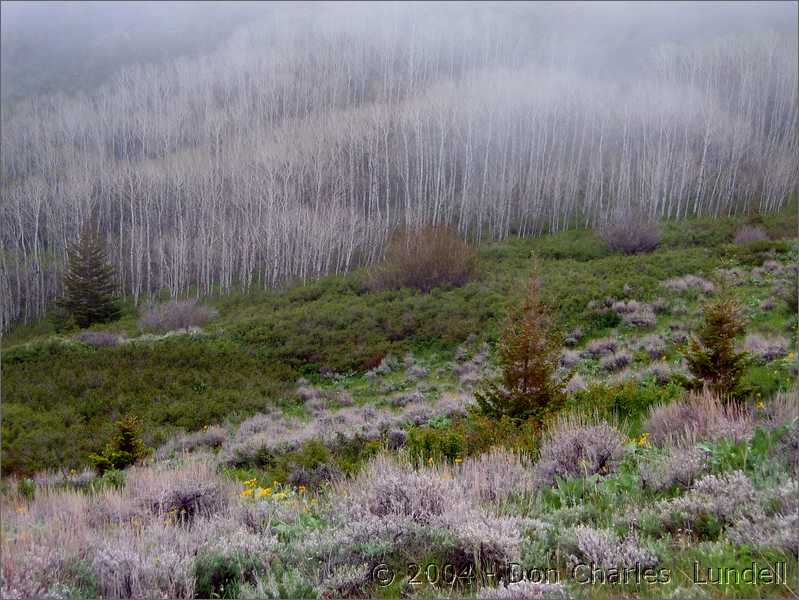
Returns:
point(301, 489)
point(761, 404)
point(264, 492)
point(458, 460)
point(430, 461)
point(280, 495)
point(246, 493)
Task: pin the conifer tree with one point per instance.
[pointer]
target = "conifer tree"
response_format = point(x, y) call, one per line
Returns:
point(124, 449)
point(711, 354)
point(529, 352)
point(89, 281)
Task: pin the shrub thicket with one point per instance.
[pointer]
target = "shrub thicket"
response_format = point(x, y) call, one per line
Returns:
point(425, 259)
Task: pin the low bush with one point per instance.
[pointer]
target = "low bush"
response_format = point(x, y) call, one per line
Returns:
point(221, 576)
point(750, 233)
point(430, 443)
point(765, 349)
point(97, 339)
point(631, 233)
point(679, 468)
point(755, 253)
point(178, 314)
point(425, 259)
point(628, 400)
point(578, 449)
point(697, 417)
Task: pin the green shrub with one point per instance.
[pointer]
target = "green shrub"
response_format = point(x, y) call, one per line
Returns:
point(425, 443)
point(111, 479)
point(221, 576)
point(82, 578)
point(279, 582)
point(628, 401)
point(27, 489)
point(754, 253)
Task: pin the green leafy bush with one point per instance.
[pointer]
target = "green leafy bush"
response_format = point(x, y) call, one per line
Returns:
point(426, 443)
point(221, 576)
point(628, 400)
point(754, 253)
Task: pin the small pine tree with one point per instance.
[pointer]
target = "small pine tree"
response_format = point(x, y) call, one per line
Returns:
point(124, 449)
point(89, 281)
point(711, 353)
point(529, 352)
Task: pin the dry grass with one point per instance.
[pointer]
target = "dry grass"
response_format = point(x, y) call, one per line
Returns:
point(133, 541)
point(697, 417)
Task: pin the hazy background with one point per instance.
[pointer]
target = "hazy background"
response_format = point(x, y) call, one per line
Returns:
point(223, 146)
point(59, 46)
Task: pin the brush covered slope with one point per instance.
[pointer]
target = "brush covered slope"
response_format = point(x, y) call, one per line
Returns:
point(318, 441)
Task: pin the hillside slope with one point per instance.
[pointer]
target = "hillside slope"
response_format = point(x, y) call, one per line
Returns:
point(61, 397)
point(332, 454)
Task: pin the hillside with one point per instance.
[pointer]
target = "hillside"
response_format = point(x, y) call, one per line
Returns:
point(326, 447)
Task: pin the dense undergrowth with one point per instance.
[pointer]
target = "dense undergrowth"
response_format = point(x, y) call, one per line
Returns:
point(61, 397)
point(317, 441)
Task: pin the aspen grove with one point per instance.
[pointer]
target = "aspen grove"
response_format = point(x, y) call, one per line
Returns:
point(301, 144)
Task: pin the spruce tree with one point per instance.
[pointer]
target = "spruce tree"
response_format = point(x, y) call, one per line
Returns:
point(89, 281)
point(529, 352)
point(125, 448)
point(711, 354)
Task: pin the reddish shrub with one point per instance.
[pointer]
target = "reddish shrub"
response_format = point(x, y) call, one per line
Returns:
point(425, 259)
point(631, 233)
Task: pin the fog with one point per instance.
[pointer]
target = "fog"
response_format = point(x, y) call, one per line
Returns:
point(223, 146)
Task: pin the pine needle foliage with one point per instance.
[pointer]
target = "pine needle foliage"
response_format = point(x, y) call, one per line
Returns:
point(124, 449)
point(89, 281)
point(711, 355)
point(528, 353)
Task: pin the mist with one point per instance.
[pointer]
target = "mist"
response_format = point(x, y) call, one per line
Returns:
point(222, 147)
